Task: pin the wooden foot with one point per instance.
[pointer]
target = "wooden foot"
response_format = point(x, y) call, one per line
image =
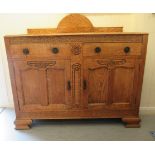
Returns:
point(22, 124)
point(131, 122)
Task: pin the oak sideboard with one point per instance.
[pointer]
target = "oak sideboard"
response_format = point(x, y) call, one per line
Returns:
point(76, 71)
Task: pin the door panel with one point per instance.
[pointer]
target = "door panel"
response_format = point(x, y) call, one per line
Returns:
point(111, 83)
point(33, 91)
point(124, 83)
point(55, 79)
point(97, 85)
point(42, 85)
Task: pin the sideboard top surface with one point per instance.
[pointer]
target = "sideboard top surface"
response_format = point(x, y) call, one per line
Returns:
point(78, 34)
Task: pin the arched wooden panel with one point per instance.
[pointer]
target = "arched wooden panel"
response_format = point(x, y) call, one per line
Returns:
point(74, 23)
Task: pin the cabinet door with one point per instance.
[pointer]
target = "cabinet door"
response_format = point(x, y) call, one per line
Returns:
point(95, 83)
point(124, 83)
point(110, 83)
point(43, 85)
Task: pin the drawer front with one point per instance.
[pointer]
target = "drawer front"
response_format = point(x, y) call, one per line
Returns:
point(112, 49)
point(40, 50)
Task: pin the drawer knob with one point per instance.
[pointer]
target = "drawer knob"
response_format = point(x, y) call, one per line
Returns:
point(26, 51)
point(97, 50)
point(127, 49)
point(55, 50)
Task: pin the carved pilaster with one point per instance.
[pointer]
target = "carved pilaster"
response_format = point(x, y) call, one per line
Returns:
point(76, 83)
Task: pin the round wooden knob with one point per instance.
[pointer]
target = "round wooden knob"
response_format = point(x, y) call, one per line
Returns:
point(97, 50)
point(55, 50)
point(26, 51)
point(127, 49)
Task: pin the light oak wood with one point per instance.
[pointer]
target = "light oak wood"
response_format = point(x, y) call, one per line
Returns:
point(111, 82)
point(23, 124)
point(36, 31)
point(114, 49)
point(73, 72)
point(42, 83)
point(40, 50)
point(74, 23)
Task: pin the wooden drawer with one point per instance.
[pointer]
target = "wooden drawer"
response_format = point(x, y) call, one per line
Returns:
point(40, 50)
point(112, 49)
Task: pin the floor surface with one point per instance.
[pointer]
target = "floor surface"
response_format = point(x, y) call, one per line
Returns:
point(76, 130)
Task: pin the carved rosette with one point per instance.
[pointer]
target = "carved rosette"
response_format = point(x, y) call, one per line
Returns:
point(76, 91)
point(76, 49)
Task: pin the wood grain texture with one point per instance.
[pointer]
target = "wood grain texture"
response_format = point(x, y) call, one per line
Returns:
point(77, 37)
point(112, 49)
point(40, 50)
point(43, 31)
point(63, 76)
point(40, 85)
point(75, 23)
point(34, 31)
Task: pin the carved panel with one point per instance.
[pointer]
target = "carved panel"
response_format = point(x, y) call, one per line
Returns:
point(110, 64)
point(78, 38)
point(41, 64)
point(76, 84)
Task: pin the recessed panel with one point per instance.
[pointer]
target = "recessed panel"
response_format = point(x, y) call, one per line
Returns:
point(98, 85)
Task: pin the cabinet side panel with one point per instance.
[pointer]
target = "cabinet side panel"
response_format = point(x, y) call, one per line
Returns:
point(12, 75)
point(141, 69)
